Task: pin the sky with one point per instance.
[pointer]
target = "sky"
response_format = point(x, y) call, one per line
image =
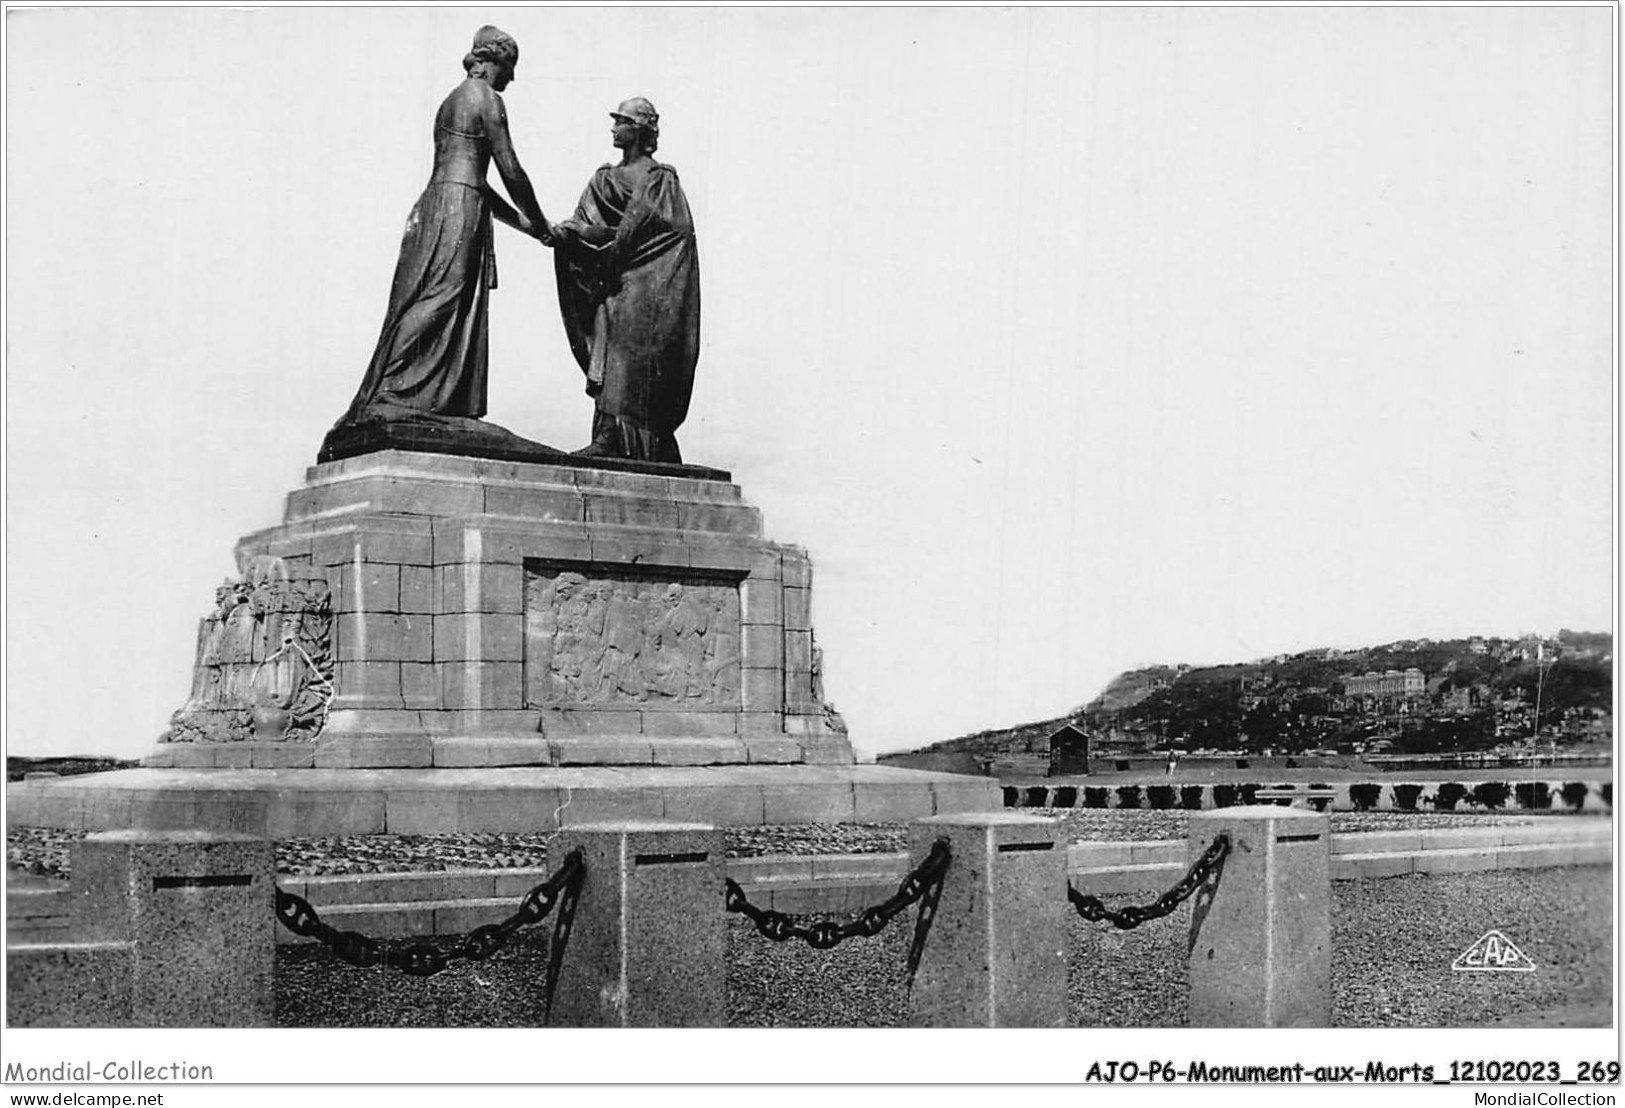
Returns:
point(1064, 340)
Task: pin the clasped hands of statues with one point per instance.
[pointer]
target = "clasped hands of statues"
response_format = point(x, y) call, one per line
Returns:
point(549, 233)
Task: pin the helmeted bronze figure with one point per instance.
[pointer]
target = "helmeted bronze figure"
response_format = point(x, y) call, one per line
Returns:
point(629, 290)
point(431, 359)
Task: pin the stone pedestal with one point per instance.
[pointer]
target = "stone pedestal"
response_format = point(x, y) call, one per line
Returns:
point(649, 947)
point(996, 953)
point(1261, 947)
point(166, 929)
point(419, 609)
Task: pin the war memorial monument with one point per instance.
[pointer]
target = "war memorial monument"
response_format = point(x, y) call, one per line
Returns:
point(455, 629)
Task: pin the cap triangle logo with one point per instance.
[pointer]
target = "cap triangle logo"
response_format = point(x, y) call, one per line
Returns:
point(1493, 952)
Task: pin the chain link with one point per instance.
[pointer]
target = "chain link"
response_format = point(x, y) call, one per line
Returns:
point(422, 959)
point(1094, 910)
point(923, 884)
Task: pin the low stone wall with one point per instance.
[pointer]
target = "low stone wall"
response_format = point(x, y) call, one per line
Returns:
point(453, 902)
point(1346, 796)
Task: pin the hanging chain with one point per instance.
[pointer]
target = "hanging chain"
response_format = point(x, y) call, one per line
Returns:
point(923, 885)
point(421, 959)
point(1091, 907)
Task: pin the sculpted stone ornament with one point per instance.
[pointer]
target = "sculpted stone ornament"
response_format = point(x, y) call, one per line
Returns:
point(264, 660)
point(428, 371)
point(624, 641)
point(629, 291)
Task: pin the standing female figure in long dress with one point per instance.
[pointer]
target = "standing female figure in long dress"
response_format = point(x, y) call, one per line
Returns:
point(629, 291)
point(431, 358)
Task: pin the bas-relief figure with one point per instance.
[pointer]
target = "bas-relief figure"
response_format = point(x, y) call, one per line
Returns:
point(629, 291)
point(264, 660)
point(620, 641)
point(431, 359)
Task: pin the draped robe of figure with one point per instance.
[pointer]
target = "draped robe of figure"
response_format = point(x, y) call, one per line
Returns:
point(431, 357)
point(631, 309)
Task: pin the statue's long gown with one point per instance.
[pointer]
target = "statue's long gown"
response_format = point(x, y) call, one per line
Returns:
point(431, 357)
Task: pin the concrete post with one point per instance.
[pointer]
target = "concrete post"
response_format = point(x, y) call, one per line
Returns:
point(1261, 949)
point(199, 909)
point(648, 948)
point(996, 954)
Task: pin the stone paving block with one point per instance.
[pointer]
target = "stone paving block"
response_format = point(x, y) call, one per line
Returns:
point(1150, 880)
point(719, 518)
point(622, 546)
point(695, 751)
point(190, 755)
point(376, 541)
point(244, 813)
point(736, 557)
point(397, 888)
point(383, 921)
point(462, 917)
point(601, 750)
point(421, 812)
point(1386, 864)
point(486, 587)
point(892, 803)
point(1447, 838)
point(750, 871)
point(763, 725)
point(345, 722)
point(623, 511)
point(461, 753)
point(518, 882)
point(567, 722)
point(483, 685)
point(376, 636)
point(495, 723)
point(761, 601)
point(797, 567)
point(1373, 842)
point(502, 811)
point(1157, 852)
point(798, 652)
point(797, 609)
point(479, 636)
point(282, 755)
point(762, 646)
point(566, 542)
point(375, 684)
point(328, 812)
point(233, 756)
point(373, 587)
point(529, 502)
point(1095, 855)
point(420, 685)
point(1465, 860)
point(882, 868)
point(717, 725)
point(771, 751)
point(761, 690)
point(737, 805)
point(81, 984)
point(417, 589)
point(589, 806)
point(812, 803)
point(375, 752)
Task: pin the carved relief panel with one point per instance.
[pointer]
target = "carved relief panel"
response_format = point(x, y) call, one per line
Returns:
point(264, 666)
point(623, 639)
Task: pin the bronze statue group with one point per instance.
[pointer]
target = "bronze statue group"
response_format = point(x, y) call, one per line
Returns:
point(626, 263)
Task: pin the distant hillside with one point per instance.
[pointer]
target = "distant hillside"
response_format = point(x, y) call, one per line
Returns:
point(1412, 696)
